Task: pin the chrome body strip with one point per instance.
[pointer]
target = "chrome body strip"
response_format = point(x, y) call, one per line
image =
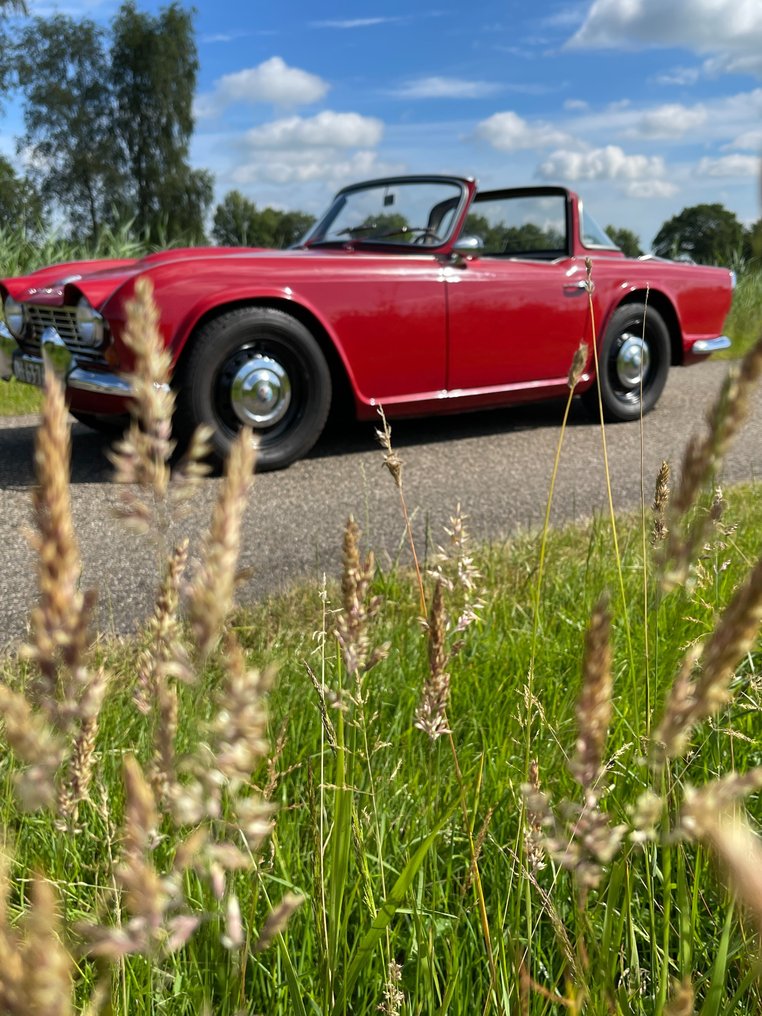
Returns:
point(705, 346)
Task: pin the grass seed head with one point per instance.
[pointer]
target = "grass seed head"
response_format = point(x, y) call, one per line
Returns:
point(213, 586)
point(277, 920)
point(659, 507)
point(431, 714)
point(579, 360)
point(392, 460)
point(594, 704)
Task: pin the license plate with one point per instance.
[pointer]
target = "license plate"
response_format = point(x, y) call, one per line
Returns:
point(31, 372)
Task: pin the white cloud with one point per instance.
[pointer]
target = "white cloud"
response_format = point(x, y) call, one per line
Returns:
point(272, 81)
point(729, 31)
point(650, 189)
point(639, 175)
point(680, 76)
point(729, 165)
point(445, 88)
point(310, 165)
point(355, 23)
point(508, 132)
point(327, 129)
point(751, 140)
point(576, 104)
point(671, 120)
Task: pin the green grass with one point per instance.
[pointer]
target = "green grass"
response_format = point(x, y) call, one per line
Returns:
point(743, 324)
point(386, 790)
point(17, 399)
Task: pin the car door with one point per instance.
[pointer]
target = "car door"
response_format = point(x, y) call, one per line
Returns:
point(518, 309)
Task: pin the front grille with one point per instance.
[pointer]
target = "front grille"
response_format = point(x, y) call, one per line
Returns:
point(64, 320)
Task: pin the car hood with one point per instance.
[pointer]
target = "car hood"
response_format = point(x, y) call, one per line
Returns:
point(98, 280)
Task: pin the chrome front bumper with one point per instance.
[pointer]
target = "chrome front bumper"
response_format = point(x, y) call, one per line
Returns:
point(61, 360)
point(704, 346)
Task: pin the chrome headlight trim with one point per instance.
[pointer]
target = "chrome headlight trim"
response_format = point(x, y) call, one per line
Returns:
point(90, 324)
point(15, 316)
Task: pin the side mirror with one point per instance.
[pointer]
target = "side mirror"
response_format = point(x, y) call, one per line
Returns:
point(468, 245)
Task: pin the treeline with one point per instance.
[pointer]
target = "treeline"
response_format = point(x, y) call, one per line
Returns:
point(108, 120)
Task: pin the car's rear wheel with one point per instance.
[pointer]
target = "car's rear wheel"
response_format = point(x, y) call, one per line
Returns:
point(260, 368)
point(633, 363)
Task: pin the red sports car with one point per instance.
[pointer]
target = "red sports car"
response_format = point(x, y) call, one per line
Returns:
point(422, 294)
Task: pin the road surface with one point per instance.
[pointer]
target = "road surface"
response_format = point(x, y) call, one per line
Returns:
point(496, 464)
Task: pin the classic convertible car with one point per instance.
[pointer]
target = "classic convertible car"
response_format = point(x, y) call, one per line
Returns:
point(422, 294)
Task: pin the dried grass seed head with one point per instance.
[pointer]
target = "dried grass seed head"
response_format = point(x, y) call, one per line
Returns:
point(213, 585)
point(594, 705)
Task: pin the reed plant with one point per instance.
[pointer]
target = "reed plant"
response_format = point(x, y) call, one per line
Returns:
point(441, 791)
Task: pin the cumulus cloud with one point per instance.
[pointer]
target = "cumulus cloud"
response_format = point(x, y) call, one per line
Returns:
point(729, 165)
point(272, 81)
point(728, 31)
point(750, 140)
point(670, 120)
point(445, 88)
point(327, 129)
point(508, 132)
point(311, 165)
point(639, 175)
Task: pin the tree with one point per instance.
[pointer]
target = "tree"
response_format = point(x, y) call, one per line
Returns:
point(710, 234)
point(754, 241)
point(239, 223)
point(20, 203)
point(627, 241)
point(63, 70)
point(153, 72)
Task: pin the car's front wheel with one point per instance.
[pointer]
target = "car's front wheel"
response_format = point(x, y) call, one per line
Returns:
point(260, 368)
point(633, 363)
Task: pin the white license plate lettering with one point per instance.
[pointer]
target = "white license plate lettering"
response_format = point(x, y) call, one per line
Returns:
point(29, 371)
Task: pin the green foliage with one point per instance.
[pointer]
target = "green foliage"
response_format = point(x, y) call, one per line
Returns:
point(20, 202)
point(503, 239)
point(627, 241)
point(63, 70)
point(744, 323)
point(154, 64)
point(709, 234)
point(239, 223)
point(109, 126)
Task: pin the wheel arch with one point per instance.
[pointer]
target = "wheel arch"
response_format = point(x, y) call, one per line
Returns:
point(341, 382)
point(661, 303)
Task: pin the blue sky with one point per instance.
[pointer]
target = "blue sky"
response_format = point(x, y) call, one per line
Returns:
point(642, 106)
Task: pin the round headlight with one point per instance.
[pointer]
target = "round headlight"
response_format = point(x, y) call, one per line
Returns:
point(13, 312)
point(89, 324)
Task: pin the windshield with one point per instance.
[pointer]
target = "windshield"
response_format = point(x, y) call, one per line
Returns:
point(415, 213)
point(593, 235)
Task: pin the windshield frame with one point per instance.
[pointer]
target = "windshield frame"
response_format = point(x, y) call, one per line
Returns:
point(313, 239)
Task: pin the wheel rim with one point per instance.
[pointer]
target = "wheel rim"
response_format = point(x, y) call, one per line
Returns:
point(630, 366)
point(254, 389)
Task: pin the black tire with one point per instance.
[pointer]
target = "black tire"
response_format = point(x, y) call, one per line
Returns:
point(625, 344)
point(259, 367)
point(110, 426)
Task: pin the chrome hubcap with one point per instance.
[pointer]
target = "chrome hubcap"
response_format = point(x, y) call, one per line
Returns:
point(260, 392)
point(632, 360)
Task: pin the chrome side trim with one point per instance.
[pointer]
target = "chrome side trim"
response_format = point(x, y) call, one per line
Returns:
point(705, 346)
point(8, 346)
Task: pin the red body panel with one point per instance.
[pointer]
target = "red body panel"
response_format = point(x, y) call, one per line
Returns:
point(416, 331)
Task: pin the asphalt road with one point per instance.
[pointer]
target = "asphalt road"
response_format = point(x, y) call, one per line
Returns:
point(496, 464)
